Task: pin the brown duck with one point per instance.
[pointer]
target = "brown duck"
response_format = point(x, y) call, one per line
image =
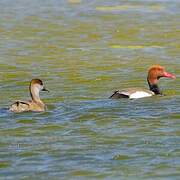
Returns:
point(36, 85)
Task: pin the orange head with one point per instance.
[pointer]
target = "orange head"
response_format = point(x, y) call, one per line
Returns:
point(156, 72)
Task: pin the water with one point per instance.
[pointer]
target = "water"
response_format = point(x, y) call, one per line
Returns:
point(83, 51)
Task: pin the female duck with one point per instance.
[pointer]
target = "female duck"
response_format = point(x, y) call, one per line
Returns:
point(36, 85)
point(154, 74)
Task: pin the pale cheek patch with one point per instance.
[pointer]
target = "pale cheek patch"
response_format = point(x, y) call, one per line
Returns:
point(36, 90)
point(139, 94)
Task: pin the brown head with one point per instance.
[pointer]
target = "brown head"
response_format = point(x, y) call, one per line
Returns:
point(156, 72)
point(36, 85)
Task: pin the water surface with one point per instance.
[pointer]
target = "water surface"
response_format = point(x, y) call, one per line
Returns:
point(83, 51)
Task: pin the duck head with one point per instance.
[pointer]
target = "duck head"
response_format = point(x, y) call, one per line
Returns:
point(154, 74)
point(36, 85)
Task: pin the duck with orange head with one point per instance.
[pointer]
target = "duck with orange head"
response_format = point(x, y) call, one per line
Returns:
point(155, 72)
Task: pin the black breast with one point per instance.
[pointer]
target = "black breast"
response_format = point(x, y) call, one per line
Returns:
point(155, 89)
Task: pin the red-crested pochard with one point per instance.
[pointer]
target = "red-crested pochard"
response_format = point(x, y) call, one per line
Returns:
point(154, 74)
point(36, 85)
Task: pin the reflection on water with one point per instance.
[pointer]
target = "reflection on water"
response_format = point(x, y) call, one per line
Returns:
point(83, 51)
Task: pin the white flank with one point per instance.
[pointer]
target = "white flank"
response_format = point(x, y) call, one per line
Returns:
point(139, 94)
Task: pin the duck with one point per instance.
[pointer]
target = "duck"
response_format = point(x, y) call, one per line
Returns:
point(35, 104)
point(155, 72)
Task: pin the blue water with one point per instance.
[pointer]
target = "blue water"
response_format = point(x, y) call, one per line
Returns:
point(83, 51)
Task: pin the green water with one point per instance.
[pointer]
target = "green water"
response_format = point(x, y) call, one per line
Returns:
point(83, 51)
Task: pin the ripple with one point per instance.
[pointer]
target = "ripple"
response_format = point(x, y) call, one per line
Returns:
point(83, 51)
